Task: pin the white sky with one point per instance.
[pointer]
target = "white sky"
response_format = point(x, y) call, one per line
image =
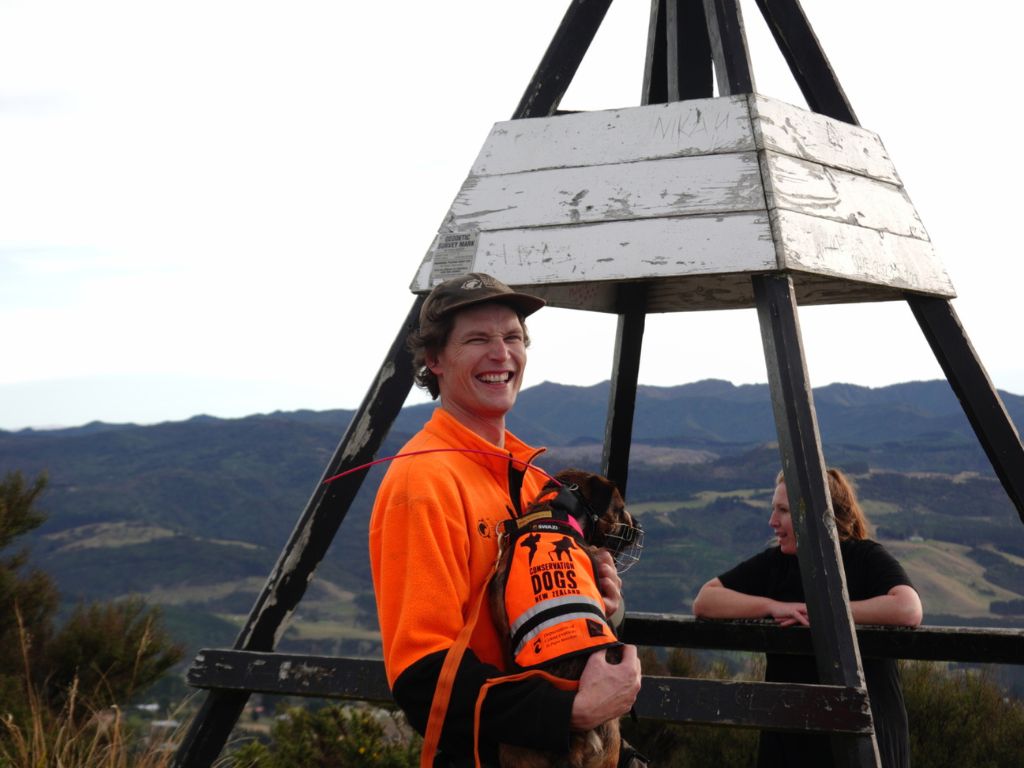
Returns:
point(217, 207)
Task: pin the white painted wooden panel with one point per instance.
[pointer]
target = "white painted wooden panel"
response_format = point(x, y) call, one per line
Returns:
point(628, 249)
point(806, 187)
point(672, 187)
point(696, 127)
point(808, 243)
point(784, 128)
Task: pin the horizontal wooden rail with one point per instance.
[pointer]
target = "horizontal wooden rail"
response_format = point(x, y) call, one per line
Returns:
point(775, 706)
point(779, 706)
point(330, 677)
point(927, 643)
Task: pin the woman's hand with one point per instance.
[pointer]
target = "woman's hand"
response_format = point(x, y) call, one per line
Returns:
point(789, 614)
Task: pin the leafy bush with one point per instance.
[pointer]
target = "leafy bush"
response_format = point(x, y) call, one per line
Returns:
point(961, 718)
point(334, 737)
point(109, 651)
point(28, 598)
point(74, 736)
point(53, 682)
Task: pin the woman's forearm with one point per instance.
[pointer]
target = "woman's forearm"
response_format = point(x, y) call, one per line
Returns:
point(900, 607)
point(715, 601)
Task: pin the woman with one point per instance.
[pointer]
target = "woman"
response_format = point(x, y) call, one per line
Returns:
point(768, 585)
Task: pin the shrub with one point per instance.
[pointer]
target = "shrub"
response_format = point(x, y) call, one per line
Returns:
point(74, 736)
point(961, 718)
point(111, 651)
point(334, 737)
point(57, 687)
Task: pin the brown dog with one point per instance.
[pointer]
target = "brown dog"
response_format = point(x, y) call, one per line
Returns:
point(545, 537)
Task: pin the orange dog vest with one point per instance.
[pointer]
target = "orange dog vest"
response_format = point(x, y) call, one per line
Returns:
point(552, 601)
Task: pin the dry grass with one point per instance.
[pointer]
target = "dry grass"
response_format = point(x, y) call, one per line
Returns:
point(73, 739)
point(97, 740)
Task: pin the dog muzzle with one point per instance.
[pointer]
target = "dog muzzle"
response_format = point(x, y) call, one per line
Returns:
point(625, 542)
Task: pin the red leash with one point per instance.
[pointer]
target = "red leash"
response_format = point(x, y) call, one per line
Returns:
point(369, 464)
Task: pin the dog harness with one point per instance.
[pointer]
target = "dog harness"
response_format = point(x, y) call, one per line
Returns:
point(552, 601)
point(564, 617)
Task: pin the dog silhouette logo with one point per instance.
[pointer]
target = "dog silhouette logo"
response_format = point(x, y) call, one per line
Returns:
point(530, 542)
point(562, 547)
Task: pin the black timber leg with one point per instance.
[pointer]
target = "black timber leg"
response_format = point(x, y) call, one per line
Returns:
point(974, 389)
point(806, 59)
point(308, 544)
point(655, 87)
point(678, 61)
point(729, 47)
point(562, 58)
point(618, 434)
point(828, 607)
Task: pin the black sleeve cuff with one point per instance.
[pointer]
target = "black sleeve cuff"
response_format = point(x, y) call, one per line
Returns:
point(528, 713)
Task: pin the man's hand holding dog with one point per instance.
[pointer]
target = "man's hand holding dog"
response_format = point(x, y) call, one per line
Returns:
point(607, 691)
point(610, 584)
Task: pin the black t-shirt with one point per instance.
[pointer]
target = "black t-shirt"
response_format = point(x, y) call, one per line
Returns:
point(870, 572)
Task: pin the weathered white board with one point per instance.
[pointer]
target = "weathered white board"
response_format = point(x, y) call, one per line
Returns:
point(642, 248)
point(692, 197)
point(811, 244)
point(654, 188)
point(831, 193)
point(681, 128)
point(792, 131)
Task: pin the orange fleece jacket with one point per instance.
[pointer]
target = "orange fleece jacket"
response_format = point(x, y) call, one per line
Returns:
point(432, 548)
point(433, 541)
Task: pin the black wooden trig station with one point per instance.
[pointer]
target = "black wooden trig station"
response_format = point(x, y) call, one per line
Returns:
point(690, 43)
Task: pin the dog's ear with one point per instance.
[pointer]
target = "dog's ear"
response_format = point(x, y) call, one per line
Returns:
point(548, 487)
point(572, 476)
point(600, 493)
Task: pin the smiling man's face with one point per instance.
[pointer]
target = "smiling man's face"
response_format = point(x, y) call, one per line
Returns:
point(480, 369)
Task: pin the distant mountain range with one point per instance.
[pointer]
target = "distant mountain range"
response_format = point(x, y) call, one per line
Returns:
point(193, 514)
point(712, 410)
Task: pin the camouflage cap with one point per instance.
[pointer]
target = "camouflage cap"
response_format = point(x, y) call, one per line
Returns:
point(474, 288)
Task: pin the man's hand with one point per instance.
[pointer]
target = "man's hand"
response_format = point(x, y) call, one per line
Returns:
point(607, 691)
point(610, 584)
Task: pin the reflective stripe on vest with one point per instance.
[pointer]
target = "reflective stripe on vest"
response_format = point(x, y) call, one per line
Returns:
point(552, 601)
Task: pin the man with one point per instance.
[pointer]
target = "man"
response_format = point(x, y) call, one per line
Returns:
point(433, 540)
